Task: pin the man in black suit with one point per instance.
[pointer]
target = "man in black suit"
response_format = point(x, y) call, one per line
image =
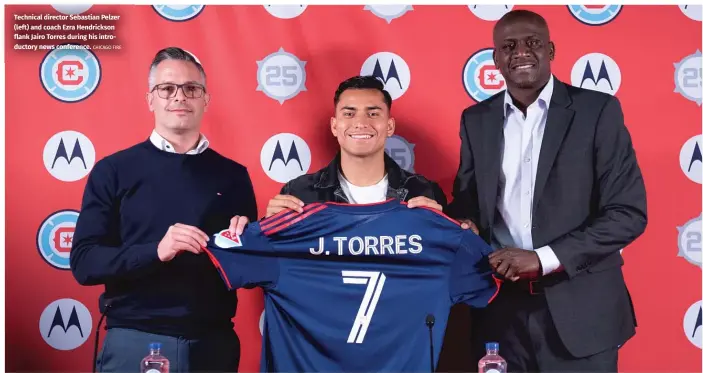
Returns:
point(549, 176)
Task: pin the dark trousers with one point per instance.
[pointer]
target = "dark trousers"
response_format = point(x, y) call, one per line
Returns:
point(124, 349)
point(528, 340)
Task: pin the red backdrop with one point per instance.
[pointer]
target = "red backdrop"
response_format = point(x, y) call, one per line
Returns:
point(653, 67)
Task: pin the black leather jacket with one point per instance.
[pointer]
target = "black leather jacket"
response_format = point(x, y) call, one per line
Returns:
point(323, 186)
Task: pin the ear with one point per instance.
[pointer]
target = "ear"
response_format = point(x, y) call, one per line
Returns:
point(206, 97)
point(333, 126)
point(391, 127)
point(552, 50)
point(150, 101)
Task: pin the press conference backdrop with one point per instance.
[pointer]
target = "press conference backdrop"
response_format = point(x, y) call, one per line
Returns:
point(272, 74)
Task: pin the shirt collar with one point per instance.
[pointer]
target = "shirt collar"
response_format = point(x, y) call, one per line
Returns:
point(166, 146)
point(545, 97)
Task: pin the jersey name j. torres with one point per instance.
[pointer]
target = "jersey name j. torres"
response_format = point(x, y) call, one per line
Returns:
point(348, 288)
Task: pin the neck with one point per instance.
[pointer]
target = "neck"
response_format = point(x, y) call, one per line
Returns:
point(182, 141)
point(363, 171)
point(524, 97)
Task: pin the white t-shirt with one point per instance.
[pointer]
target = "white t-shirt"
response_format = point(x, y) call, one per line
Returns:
point(367, 194)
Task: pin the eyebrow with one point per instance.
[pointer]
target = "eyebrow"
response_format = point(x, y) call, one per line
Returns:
point(188, 82)
point(368, 108)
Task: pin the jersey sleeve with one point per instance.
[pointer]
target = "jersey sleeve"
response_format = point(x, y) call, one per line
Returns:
point(244, 261)
point(472, 281)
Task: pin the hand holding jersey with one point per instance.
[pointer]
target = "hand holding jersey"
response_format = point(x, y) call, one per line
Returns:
point(347, 285)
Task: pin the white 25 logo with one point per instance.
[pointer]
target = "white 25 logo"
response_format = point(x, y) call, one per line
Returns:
point(374, 286)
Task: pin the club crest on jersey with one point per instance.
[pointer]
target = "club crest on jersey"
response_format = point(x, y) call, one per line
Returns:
point(178, 13)
point(70, 75)
point(481, 77)
point(227, 240)
point(281, 76)
point(594, 15)
point(688, 79)
point(388, 12)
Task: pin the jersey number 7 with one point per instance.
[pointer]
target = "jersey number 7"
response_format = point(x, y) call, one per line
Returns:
point(374, 286)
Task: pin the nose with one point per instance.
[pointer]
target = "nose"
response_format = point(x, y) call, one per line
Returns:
point(521, 50)
point(180, 94)
point(361, 121)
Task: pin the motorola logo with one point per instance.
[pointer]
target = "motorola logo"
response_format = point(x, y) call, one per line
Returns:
point(598, 72)
point(285, 11)
point(490, 12)
point(69, 156)
point(693, 324)
point(692, 11)
point(285, 156)
point(691, 159)
point(391, 69)
point(65, 324)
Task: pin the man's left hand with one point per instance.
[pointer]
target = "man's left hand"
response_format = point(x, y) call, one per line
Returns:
point(424, 202)
point(515, 263)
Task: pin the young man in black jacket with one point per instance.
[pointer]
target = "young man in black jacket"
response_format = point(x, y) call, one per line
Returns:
point(361, 172)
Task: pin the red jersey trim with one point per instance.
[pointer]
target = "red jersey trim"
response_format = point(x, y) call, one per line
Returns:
point(289, 222)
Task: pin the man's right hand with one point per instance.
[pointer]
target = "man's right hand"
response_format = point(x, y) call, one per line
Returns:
point(468, 224)
point(282, 202)
point(181, 237)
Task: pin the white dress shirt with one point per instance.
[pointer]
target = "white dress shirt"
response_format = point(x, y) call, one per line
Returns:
point(523, 139)
point(166, 146)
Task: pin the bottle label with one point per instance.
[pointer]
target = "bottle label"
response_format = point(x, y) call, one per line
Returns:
point(488, 371)
point(157, 371)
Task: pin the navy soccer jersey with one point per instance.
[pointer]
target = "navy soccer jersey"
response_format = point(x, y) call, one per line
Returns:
point(349, 287)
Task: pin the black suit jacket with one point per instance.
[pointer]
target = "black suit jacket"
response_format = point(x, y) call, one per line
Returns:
point(588, 203)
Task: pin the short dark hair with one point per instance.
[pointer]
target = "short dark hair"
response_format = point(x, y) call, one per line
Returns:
point(173, 53)
point(363, 82)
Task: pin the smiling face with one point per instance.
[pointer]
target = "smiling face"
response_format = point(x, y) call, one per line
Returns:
point(362, 122)
point(178, 109)
point(523, 52)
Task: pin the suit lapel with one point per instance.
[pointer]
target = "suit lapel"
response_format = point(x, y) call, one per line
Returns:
point(492, 129)
point(558, 121)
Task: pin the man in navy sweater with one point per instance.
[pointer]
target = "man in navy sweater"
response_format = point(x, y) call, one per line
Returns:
point(147, 212)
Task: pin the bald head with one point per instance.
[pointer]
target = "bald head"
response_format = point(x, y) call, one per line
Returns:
point(521, 15)
point(523, 50)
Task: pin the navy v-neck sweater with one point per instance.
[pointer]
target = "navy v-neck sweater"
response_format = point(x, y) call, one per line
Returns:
point(131, 199)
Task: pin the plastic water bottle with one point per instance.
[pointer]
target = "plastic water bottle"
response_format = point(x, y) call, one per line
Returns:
point(154, 362)
point(492, 362)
